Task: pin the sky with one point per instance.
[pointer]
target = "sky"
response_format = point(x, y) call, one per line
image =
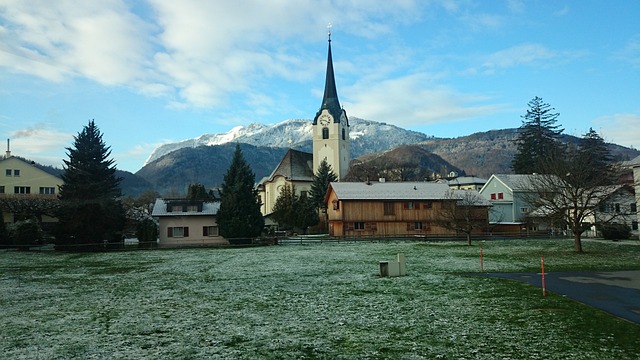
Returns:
point(156, 71)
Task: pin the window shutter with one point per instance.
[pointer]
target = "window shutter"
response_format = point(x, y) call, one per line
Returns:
point(186, 231)
point(169, 232)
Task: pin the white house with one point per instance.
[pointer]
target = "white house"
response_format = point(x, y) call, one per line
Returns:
point(185, 222)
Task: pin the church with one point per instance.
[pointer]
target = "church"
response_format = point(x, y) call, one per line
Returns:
point(330, 142)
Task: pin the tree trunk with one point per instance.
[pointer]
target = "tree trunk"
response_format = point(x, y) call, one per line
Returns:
point(468, 238)
point(577, 241)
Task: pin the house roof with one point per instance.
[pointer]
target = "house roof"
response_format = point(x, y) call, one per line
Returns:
point(208, 208)
point(295, 166)
point(635, 162)
point(466, 180)
point(515, 182)
point(389, 190)
point(470, 197)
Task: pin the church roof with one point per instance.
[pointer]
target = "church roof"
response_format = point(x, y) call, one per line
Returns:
point(295, 166)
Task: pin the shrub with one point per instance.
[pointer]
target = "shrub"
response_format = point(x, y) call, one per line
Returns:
point(615, 231)
point(147, 233)
point(27, 233)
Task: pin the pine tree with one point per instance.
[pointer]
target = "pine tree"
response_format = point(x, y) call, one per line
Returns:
point(284, 210)
point(321, 180)
point(197, 191)
point(597, 157)
point(239, 216)
point(306, 213)
point(90, 213)
point(538, 138)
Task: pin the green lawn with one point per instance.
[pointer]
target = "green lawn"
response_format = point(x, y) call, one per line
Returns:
point(314, 301)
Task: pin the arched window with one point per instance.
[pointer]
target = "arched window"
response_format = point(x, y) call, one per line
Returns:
point(343, 133)
point(325, 133)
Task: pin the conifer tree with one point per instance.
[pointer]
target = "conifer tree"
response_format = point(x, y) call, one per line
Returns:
point(538, 139)
point(239, 216)
point(321, 180)
point(597, 157)
point(90, 212)
point(284, 210)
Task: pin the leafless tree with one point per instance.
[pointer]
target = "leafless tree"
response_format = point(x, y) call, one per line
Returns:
point(465, 211)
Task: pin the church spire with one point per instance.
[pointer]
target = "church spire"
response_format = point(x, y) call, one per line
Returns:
point(330, 99)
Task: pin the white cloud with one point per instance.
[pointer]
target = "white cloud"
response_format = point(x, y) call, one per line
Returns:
point(631, 52)
point(102, 40)
point(414, 101)
point(622, 129)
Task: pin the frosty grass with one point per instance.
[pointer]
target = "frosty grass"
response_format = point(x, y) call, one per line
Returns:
point(315, 301)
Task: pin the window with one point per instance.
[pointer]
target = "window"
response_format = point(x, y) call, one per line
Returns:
point(634, 225)
point(617, 208)
point(209, 231)
point(16, 172)
point(389, 208)
point(409, 205)
point(325, 133)
point(303, 194)
point(1, 189)
point(524, 210)
point(493, 196)
point(8, 172)
point(22, 190)
point(428, 205)
point(47, 190)
point(343, 134)
point(178, 231)
point(633, 208)
point(500, 196)
point(417, 225)
point(358, 226)
point(192, 208)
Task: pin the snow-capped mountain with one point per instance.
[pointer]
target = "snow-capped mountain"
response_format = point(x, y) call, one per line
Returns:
point(366, 137)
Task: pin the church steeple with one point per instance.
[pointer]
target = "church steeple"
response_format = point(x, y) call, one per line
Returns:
point(330, 100)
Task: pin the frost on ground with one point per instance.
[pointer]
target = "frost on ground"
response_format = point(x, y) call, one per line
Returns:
point(319, 301)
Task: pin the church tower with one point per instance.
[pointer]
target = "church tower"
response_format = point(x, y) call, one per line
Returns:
point(331, 128)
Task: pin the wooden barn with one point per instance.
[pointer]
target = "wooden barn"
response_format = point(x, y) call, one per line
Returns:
point(388, 209)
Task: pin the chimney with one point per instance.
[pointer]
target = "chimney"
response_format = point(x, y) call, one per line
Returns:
point(8, 154)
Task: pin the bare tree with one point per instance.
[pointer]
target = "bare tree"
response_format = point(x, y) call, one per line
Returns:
point(466, 212)
point(570, 191)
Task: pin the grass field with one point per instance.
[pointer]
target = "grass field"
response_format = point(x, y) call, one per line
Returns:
point(315, 301)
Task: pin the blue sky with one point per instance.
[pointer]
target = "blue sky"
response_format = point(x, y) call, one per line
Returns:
point(150, 72)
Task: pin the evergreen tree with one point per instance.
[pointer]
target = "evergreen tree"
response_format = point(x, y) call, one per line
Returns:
point(284, 210)
point(597, 157)
point(321, 180)
point(197, 191)
point(306, 213)
point(239, 216)
point(538, 138)
point(90, 213)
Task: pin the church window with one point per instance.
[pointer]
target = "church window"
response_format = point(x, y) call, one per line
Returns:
point(343, 134)
point(325, 133)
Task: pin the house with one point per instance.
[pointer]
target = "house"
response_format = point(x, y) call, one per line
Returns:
point(20, 180)
point(295, 169)
point(634, 165)
point(391, 208)
point(464, 183)
point(508, 193)
point(618, 206)
point(185, 222)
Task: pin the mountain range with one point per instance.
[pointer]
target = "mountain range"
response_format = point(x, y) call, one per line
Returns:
point(404, 154)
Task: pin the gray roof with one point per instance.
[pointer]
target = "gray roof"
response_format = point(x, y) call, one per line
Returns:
point(390, 190)
point(295, 166)
point(208, 208)
point(633, 162)
point(467, 180)
point(470, 197)
point(517, 182)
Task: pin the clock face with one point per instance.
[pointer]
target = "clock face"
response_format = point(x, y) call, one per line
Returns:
point(324, 119)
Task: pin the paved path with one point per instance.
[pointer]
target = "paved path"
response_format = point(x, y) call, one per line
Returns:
point(616, 292)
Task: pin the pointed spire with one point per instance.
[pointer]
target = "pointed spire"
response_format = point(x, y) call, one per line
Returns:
point(330, 99)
